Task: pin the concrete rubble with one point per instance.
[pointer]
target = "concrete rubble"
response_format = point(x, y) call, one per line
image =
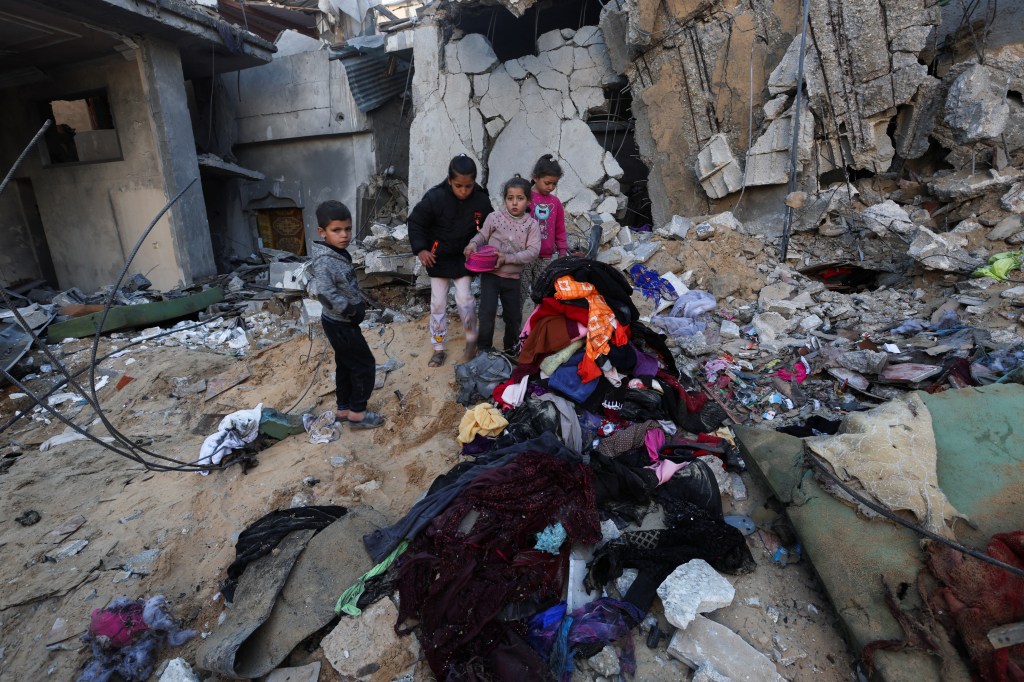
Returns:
point(691, 589)
point(707, 644)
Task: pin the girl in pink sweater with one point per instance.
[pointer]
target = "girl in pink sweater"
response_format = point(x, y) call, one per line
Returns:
point(549, 214)
point(516, 235)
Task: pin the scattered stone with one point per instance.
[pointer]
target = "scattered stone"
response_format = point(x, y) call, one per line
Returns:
point(605, 662)
point(306, 673)
point(694, 588)
point(976, 107)
point(1015, 295)
point(68, 550)
point(29, 518)
point(178, 670)
point(729, 330)
point(706, 673)
point(677, 228)
point(864, 361)
point(367, 647)
point(887, 217)
point(942, 252)
point(706, 643)
point(704, 231)
point(141, 563)
point(1006, 228)
point(771, 328)
point(1014, 199)
point(725, 221)
point(811, 322)
point(625, 581)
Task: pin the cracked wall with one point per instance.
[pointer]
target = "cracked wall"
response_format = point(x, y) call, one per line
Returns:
point(507, 114)
point(714, 87)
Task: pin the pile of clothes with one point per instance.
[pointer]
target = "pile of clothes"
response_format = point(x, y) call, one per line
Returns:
point(591, 428)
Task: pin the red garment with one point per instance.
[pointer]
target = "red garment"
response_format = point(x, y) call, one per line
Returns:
point(694, 401)
point(552, 306)
point(549, 334)
point(603, 329)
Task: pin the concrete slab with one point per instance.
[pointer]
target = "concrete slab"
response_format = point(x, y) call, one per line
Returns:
point(981, 470)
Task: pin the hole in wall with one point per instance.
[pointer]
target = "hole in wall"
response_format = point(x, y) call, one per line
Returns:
point(615, 129)
point(511, 37)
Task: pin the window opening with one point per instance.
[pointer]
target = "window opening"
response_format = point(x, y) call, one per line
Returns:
point(83, 131)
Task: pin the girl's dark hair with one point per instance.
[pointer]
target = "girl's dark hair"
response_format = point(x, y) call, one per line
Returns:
point(519, 182)
point(547, 166)
point(330, 211)
point(462, 165)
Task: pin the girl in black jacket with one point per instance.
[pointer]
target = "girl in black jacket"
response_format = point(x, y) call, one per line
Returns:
point(440, 227)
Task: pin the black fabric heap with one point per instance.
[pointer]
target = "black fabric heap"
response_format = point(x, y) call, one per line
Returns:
point(265, 534)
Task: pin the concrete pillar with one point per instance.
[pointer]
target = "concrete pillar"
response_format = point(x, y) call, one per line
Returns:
point(164, 88)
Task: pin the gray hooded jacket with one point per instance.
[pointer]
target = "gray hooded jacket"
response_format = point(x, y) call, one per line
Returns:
point(336, 285)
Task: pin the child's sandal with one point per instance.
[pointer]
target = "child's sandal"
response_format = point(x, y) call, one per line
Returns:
point(437, 359)
point(370, 420)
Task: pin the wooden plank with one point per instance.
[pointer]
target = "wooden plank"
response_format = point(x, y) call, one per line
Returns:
point(142, 315)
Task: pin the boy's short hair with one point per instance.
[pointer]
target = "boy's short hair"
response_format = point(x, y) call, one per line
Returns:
point(330, 211)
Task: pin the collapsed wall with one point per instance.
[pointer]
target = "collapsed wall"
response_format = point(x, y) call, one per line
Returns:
point(886, 82)
point(507, 114)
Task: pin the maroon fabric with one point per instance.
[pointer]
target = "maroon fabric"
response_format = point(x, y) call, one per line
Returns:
point(454, 584)
point(978, 597)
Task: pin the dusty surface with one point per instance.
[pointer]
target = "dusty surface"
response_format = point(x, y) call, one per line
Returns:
point(194, 520)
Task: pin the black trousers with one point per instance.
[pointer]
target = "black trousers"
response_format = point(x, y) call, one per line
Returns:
point(356, 368)
point(492, 288)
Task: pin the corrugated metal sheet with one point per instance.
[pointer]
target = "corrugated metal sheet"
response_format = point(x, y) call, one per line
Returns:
point(367, 79)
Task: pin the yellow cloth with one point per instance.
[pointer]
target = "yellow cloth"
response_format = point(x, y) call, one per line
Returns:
point(482, 420)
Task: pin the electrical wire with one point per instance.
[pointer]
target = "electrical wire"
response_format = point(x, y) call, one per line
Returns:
point(980, 556)
point(61, 383)
point(91, 397)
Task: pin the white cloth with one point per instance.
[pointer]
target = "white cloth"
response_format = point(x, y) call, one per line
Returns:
point(321, 427)
point(234, 431)
point(515, 394)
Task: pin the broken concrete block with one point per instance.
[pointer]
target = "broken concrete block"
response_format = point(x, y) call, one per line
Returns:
point(942, 252)
point(549, 79)
point(612, 167)
point(771, 328)
point(706, 643)
point(677, 228)
point(561, 59)
point(306, 673)
point(550, 40)
point(864, 361)
point(472, 54)
point(729, 330)
point(502, 96)
point(607, 205)
point(1013, 200)
point(725, 221)
point(587, 35)
point(642, 252)
point(625, 581)
point(773, 108)
point(706, 673)
point(1014, 295)
point(605, 663)
point(887, 217)
point(963, 185)
point(514, 67)
point(694, 588)
point(717, 169)
point(767, 161)
point(311, 312)
point(770, 293)
point(976, 106)
point(1005, 228)
point(367, 647)
point(811, 322)
point(178, 670)
point(379, 262)
point(612, 256)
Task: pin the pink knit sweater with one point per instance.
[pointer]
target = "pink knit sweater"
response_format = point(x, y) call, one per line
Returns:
point(518, 239)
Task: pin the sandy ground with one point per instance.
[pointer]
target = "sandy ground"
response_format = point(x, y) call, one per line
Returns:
point(194, 520)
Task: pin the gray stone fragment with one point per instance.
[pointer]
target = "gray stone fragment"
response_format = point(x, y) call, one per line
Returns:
point(178, 670)
point(1006, 227)
point(677, 228)
point(942, 252)
point(771, 329)
point(976, 106)
point(706, 643)
point(550, 41)
point(694, 588)
point(359, 648)
point(864, 361)
point(1014, 295)
point(886, 218)
point(141, 563)
point(68, 550)
point(717, 169)
point(605, 662)
point(625, 581)
point(729, 330)
point(706, 673)
point(472, 54)
point(1013, 200)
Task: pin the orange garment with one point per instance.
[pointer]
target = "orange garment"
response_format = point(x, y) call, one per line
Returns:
point(602, 328)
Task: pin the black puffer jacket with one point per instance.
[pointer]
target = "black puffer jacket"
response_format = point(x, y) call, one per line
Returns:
point(441, 217)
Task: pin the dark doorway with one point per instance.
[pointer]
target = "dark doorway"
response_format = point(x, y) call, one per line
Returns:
point(513, 37)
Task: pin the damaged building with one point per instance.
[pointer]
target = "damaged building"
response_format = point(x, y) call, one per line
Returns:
point(113, 76)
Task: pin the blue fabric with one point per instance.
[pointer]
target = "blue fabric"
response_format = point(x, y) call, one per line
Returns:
point(551, 538)
point(566, 380)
